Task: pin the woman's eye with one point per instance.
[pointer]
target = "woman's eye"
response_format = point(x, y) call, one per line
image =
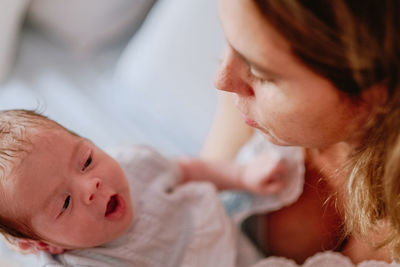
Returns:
point(87, 163)
point(260, 78)
point(66, 203)
point(263, 80)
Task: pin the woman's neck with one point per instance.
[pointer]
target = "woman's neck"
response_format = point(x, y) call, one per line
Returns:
point(333, 164)
point(330, 158)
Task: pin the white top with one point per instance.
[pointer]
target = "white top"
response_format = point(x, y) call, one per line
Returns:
point(174, 225)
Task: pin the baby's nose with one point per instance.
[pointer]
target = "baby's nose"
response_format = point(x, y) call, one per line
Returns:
point(92, 188)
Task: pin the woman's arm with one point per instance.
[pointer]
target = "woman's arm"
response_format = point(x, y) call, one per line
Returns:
point(228, 132)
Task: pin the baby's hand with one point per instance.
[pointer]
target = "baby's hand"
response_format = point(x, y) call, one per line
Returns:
point(264, 175)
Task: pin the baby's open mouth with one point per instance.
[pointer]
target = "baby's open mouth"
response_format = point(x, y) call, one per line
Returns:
point(112, 205)
point(116, 208)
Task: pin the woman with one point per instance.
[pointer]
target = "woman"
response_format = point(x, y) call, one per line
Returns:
point(321, 75)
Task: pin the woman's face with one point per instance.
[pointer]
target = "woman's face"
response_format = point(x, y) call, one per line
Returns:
point(276, 92)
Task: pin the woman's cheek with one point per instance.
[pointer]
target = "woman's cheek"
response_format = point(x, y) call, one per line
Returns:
point(274, 105)
point(272, 93)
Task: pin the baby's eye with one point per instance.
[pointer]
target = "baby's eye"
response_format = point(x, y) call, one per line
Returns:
point(87, 163)
point(66, 204)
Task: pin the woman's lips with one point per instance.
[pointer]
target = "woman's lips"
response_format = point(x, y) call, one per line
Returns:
point(115, 208)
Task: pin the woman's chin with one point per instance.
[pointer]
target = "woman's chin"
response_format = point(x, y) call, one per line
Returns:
point(273, 139)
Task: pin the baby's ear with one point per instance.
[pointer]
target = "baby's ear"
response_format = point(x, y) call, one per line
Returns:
point(33, 246)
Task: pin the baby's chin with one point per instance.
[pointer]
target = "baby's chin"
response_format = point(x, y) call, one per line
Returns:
point(117, 230)
point(106, 239)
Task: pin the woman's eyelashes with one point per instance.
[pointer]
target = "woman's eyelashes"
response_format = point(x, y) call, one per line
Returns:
point(262, 79)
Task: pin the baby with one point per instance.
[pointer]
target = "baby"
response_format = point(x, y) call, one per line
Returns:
point(63, 195)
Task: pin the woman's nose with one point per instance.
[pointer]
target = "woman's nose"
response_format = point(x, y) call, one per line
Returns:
point(91, 187)
point(232, 75)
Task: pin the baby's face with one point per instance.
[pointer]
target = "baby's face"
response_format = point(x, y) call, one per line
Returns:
point(73, 193)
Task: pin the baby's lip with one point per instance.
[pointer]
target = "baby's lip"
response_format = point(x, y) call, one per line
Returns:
point(115, 207)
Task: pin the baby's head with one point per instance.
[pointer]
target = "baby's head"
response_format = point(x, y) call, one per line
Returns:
point(57, 190)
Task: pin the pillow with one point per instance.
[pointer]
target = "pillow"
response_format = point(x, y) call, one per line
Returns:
point(12, 13)
point(164, 79)
point(88, 24)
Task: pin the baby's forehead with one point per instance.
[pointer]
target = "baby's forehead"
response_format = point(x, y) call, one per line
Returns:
point(39, 141)
point(49, 135)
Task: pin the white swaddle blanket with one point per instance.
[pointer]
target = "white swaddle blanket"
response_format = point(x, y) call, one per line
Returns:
point(176, 225)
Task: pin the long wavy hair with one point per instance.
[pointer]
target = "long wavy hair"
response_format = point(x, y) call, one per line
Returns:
point(355, 45)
